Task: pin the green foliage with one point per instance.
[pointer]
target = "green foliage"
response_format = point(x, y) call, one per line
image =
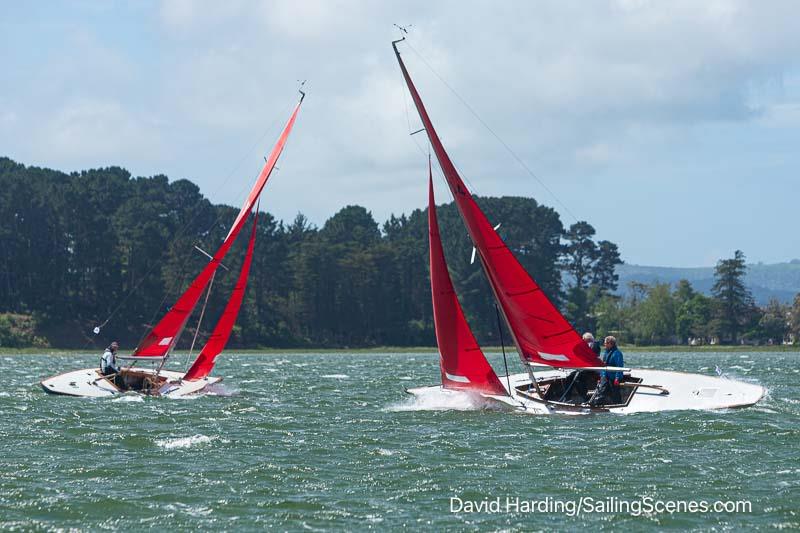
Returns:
point(684, 292)
point(693, 314)
point(604, 274)
point(735, 307)
point(580, 253)
point(590, 269)
point(794, 319)
point(657, 315)
point(773, 324)
point(649, 316)
point(79, 248)
point(610, 313)
point(19, 331)
point(654, 318)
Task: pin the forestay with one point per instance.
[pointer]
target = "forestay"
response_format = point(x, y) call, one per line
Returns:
point(540, 332)
point(222, 331)
point(162, 338)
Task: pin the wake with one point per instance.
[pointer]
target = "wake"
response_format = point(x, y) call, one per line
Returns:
point(214, 389)
point(183, 442)
point(438, 399)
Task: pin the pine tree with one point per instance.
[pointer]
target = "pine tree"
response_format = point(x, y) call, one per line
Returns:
point(734, 303)
point(794, 319)
point(580, 253)
point(604, 274)
point(774, 323)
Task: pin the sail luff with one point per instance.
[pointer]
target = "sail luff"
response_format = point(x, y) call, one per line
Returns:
point(461, 361)
point(160, 340)
point(266, 171)
point(204, 363)
point(540, 332)
point(163, 337)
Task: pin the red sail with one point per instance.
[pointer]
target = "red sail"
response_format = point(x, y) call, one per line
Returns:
point(160, 340)
point(540, 332)
point(222, 331)
point(267, 170)
point(461, 360)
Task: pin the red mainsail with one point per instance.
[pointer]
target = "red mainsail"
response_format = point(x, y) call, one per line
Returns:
point(461, 360)
point(204, 363)
point(540, 331)
point(159, 341)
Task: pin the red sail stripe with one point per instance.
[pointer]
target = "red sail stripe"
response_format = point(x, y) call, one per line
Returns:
point(461, 361)
point(204, 363)
point(540, 331)
point(160, 340)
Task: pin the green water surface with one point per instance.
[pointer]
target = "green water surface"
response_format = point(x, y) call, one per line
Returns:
point(330, 441)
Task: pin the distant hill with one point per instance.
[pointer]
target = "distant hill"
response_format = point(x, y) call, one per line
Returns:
point(779, 280)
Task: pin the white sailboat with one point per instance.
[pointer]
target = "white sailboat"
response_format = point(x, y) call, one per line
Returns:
point(548, 346)
point(156, 347)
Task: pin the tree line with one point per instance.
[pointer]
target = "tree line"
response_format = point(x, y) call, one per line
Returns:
point(662, 314)
point(103, 248)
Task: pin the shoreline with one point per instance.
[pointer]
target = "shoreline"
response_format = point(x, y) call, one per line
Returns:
point(413, 350)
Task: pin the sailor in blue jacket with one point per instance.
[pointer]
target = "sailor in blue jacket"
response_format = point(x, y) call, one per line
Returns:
point(608, 390)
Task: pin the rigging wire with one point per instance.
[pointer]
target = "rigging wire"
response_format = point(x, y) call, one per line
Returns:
point(275, 121)
point(505, 362)
point(200, 320)
point(503, 347)
point(205, 303)
point(404, 90)
point(494, 134)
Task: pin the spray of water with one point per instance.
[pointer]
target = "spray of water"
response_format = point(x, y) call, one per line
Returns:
point(438, 399)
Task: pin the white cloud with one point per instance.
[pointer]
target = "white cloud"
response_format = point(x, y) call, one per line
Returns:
point(99, 131)
point(312, 19)
point(584, 92)
point(191, 16)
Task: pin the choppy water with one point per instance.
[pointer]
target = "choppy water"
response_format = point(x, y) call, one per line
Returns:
point(309, 441)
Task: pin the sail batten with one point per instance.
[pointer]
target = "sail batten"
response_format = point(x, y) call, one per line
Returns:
point(532, 318)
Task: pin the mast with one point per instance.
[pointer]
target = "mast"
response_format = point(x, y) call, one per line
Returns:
point(204, 363)
point(163, 337)
point(540, 332)
point(461, 361)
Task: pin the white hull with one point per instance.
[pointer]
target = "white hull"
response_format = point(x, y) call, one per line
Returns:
point(685, 392)
point(89, 383)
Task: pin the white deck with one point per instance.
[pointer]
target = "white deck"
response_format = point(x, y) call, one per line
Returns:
point(686, 392)
point(89, 383)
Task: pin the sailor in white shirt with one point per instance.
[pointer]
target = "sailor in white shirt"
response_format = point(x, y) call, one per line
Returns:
point(108, 363)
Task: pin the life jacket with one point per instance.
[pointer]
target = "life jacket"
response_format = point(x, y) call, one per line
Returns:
point(108, 363)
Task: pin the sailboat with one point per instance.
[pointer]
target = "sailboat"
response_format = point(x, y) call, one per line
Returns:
point(549, 348)
point(157, 345)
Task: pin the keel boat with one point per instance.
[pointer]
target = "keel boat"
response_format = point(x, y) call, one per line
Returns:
point(560, 368)
point(157, 345)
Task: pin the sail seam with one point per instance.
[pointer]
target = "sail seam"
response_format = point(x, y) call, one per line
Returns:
point(557, 334)
point(520, 293)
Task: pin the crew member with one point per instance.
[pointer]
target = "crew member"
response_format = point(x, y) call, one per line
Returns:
point(108, 363)
point(588, 338)
point(608, 390)
point(577, 382)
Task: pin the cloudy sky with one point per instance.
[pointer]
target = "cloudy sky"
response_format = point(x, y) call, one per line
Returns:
point(672, 127)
